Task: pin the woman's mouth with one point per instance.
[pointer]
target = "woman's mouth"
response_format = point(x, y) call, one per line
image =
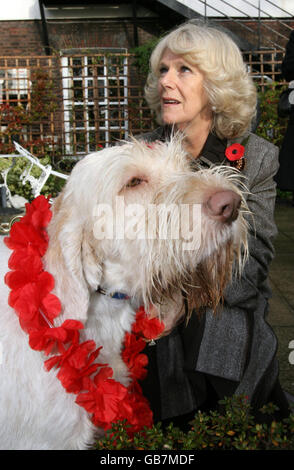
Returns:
point(169, 101)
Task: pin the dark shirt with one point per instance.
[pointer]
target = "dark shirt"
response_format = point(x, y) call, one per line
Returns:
point(214, 149)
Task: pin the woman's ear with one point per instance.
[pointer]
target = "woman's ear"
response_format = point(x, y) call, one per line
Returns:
point(71, 259)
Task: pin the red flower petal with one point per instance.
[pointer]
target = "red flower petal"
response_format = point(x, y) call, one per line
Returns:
point(16, 279)
point(104, 400)
point(131, 356)
point(79, 354)
point(104, 373)
point(27, 303)
point(150, 328)
point(45, 283)
point(26, 260)
point(46, 338)
point(73, 379)
point(51, 306)
point(52, 362)
point(38, 213)
point(21, 236)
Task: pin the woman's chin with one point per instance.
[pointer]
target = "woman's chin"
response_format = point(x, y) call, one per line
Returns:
point(172, 122)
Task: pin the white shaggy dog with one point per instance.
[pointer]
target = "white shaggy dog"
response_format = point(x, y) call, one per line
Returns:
point(102, 237)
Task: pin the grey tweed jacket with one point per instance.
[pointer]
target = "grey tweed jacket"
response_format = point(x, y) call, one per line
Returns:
point(238, 344)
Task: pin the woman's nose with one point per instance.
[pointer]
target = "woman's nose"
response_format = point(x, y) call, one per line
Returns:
point(168, 80)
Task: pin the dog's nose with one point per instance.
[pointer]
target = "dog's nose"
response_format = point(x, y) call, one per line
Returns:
point(223, 206)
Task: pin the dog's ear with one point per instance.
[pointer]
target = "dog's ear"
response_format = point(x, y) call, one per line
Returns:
point(71, 259)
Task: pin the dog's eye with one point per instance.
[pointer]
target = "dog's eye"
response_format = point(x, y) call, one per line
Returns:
point(134, 182)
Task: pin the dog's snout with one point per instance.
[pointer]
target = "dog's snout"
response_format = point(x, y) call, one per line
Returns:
point(223, 206)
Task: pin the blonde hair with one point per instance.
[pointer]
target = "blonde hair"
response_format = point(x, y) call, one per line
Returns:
point(230, 90)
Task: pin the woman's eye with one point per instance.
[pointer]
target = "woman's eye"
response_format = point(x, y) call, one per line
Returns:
point(134, 182)
point(184, 68)
point(163, 70)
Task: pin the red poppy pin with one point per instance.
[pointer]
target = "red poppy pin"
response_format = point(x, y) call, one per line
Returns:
point(235, 154)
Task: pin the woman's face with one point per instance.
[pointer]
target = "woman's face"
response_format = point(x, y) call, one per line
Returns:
point(183, 98)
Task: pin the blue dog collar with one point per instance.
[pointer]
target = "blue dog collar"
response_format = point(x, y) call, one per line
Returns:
point(113, 295)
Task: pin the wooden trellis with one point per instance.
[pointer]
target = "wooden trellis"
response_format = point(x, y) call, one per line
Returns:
point(76, 103)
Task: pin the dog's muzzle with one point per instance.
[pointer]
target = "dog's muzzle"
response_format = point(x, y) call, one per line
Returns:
point(223, 206)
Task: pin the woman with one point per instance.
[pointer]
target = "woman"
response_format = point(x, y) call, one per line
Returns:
point(198, 83)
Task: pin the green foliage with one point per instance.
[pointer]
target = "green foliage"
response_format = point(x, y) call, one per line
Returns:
point(271, 126)
point(52, 186)
point(13, 121)
point(17, 121)
point(43, 98)
point(285, 195)
point(234, 428)
point(142, 56)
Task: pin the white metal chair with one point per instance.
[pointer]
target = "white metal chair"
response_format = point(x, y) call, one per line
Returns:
point(9, 210)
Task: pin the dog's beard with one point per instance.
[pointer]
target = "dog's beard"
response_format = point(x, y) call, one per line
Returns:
point(201, 288)
point(207, 285)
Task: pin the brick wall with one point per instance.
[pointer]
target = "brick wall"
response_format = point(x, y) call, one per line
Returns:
point(25, 37)
point(20, 38)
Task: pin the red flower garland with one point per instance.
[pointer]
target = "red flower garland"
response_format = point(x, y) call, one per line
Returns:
point(107, 400)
